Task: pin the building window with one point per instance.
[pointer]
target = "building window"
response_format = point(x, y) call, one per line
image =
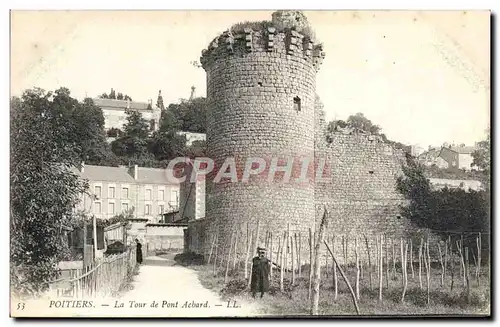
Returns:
point(161, 208)
point(296, 104)
point(148, 194)
point(147, 209)
point(111, 192)
point(97, 207)
point(97, 191)
point(111, 207)
point(124, 206)
point(125, 193)
point(161, 195)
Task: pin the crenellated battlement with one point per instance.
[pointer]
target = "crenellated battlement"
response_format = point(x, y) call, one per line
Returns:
point(287, 43)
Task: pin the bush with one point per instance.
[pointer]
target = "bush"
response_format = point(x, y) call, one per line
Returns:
point(189, 259)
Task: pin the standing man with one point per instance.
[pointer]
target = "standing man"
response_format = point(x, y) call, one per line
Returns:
point(138, 254)
point(260, 273)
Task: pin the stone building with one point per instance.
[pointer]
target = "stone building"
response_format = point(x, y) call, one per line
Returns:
point(114, 190)
point(261, 95)
point(115, 112)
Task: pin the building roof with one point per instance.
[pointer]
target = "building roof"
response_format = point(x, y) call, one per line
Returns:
point(108, 174)
point(120, 104)
point(463, 149)
point(152, 176)
point(122, 175)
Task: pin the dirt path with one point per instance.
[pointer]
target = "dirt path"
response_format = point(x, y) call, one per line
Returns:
point(161, 289)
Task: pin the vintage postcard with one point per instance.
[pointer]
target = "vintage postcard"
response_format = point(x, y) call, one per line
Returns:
point(250, 164)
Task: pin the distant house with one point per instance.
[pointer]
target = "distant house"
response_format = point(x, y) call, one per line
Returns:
point(114, 190)
point(466, 184)
point(192, 137)
point(448, 156)
point(458, 156)
point(431, 157)
point(115, 116)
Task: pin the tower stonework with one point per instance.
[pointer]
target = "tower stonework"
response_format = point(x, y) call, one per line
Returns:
point(261, 85)
point(262, 102)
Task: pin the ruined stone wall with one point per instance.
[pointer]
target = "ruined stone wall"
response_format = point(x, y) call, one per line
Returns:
point(252, 81)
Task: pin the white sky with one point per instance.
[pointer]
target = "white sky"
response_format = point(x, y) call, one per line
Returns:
point(423, 77)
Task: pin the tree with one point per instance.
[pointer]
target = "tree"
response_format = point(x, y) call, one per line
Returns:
point(113, 95)
point(361, 122)
point(482, 156)
point(90, 135)
point(166, 145)
point(189, 116)
point(442, 210)
point(159, 101)
point(44, 190)
point(134, 142)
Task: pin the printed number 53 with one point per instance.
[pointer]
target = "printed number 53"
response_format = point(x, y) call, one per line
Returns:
point(20, 306)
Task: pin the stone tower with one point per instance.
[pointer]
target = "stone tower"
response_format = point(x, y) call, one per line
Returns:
point(261, 81)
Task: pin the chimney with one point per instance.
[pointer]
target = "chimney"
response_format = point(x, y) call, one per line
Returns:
point(133, 170)
point(82, 166)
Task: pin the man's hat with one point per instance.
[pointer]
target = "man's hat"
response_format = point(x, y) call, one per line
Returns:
point(261, 249)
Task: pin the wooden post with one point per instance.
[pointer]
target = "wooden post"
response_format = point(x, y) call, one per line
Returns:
point(357, 266)
point(393, 260)
point(229, 257)
point(462, 261)
point(380, 268)
point(317, 265)
point(282, 262)
point(335, 279)
point(235, 256)
point(442, 264)
point(452, 266)
point(353, 296)
point(387, 263)
point(420, 262)
point(467, 273)
point(402, 259)
point(249, 240)
point(478, 268)
point(299, 250)
point(446, 256)
point(311, 244)
point(271, 256)
point(428, 273)
point(288, 248)
point(211, 249)
point(411, 259)
point(405, 272)
point(369, 262)
point(216, 251)
point(293, 259)
point(343, 251)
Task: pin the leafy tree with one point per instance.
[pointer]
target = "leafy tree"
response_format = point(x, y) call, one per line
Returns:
point(189, 116)
point(166, 145)
point(89, 133)
point(159, 101)
point(134, 142)
point(361, 122)
point(114, 132)
point(44, 191)
point(482, 156)
point(113, 95)
point(442, 210)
